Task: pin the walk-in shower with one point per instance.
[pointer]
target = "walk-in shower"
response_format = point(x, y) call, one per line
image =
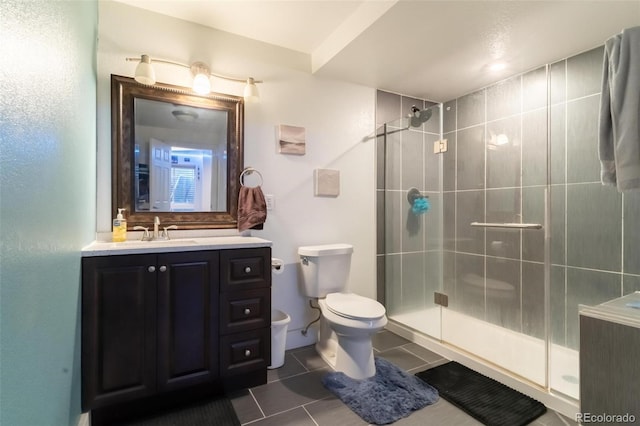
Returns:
point(519, 232)
point(470, 272)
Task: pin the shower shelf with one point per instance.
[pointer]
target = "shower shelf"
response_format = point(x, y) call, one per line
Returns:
point(507, 225)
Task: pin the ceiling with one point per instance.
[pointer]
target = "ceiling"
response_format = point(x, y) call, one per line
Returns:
point(435, 50)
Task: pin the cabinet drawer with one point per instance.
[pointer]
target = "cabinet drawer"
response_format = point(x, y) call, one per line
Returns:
point(245, 352)
point(245, 310)
point(245, 269)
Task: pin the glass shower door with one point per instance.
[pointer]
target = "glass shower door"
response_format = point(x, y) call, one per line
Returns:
point(495, 197)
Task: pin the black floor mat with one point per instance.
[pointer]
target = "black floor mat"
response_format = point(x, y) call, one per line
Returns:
point(483, 398)
point(217, 412)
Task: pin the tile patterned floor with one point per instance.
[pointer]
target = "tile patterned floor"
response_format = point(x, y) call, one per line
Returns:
point(294, 395)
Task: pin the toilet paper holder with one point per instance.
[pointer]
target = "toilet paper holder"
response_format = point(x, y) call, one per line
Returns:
point(277, 265)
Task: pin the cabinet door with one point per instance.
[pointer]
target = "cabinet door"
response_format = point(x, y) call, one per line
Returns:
point(187, 319)
point(118, 329)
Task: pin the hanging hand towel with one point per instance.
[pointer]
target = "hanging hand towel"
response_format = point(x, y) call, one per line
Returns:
point(619, 138)
point(252, 208)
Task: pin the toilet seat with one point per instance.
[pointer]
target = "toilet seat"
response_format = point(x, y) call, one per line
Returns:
point(353, 306)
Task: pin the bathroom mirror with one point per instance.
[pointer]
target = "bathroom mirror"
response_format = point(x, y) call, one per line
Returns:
point(175, 155)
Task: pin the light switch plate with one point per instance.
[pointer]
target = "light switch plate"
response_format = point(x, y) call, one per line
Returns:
point(271, 201)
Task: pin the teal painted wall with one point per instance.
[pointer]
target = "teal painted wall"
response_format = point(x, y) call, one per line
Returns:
point(47, 203)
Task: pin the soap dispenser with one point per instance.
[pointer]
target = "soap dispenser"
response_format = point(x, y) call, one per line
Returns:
point(119, 228)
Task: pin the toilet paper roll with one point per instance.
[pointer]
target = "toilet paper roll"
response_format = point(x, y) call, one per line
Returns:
point(277, 265)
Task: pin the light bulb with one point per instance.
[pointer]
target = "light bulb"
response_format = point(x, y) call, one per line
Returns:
point(201, 84)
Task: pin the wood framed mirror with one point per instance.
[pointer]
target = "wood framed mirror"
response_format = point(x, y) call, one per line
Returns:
point(176, 155)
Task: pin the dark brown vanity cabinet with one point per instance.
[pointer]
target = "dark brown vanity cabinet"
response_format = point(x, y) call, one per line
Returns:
point(245, 313)
point(152, 323)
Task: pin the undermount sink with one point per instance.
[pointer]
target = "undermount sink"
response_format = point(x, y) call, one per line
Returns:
point(176, 242)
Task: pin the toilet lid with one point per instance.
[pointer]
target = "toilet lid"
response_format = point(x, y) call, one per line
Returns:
point(351, 305)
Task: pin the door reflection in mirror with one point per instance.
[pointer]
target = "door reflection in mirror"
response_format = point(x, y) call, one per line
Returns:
point(180, 158)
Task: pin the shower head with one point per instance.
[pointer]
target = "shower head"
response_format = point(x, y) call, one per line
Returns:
point(417, 116)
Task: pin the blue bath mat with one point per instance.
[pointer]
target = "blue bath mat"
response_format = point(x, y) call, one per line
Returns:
point(384, 398)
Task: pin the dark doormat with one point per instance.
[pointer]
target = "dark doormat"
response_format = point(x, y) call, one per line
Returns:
point(218, 412)
point(384, 398)
point(483, 398)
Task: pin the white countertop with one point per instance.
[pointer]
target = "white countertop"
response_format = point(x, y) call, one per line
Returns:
point(108, 248)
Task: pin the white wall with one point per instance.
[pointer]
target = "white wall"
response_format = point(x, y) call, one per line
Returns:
point(336, 115)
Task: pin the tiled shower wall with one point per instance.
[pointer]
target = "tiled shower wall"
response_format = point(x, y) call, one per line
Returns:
point(595, 249)
point(595, 231)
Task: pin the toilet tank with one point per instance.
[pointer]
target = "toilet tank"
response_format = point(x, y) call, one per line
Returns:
point(325, 268)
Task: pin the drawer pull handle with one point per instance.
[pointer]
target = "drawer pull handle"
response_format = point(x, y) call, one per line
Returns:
point(247, 311)
point(247, 353)
point(163, 268)
point(151, 269)
point(247, 269)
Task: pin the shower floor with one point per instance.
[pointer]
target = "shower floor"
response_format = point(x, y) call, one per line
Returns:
point(519, 353)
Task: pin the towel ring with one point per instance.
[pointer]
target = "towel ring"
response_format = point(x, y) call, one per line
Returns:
point(248, 171)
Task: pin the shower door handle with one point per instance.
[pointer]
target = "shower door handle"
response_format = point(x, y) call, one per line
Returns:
point(507, 225)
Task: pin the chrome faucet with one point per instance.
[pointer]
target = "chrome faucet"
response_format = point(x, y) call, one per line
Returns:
point(165, 232)
point(156, 223)
point(157, 235)
point(145, 233)
point(164, 235)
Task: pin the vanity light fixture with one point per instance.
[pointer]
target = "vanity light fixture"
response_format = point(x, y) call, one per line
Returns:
point(201, 72)
point(251, 90)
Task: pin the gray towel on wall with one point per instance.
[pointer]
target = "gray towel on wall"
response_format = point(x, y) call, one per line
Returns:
point(619, 138)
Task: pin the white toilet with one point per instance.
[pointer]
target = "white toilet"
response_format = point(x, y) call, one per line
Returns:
point(348, 321)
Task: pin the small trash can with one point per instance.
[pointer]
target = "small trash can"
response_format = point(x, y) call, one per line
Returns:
point(279, 322)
